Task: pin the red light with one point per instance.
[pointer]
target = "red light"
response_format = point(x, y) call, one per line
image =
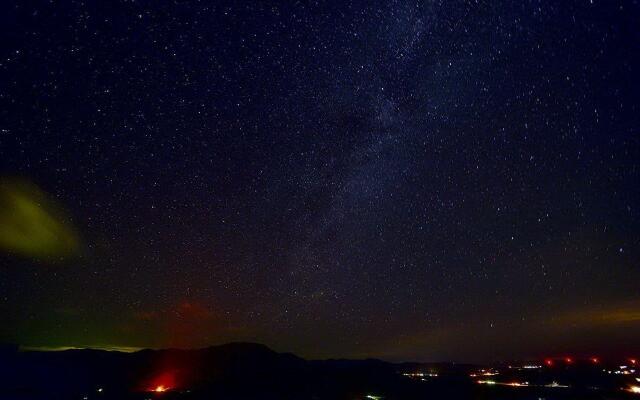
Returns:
point(568, 360)
point(633, 361)
point(549, 362)
point(595, 360)
point(162, 383)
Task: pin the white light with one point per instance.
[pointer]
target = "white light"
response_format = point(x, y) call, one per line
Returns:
point(556, 385)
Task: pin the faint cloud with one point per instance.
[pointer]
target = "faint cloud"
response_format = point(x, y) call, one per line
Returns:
point(32, 224)
point(623, 313)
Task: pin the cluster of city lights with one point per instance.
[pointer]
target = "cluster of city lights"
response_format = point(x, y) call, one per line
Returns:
point(531, 366)
point(520, 384)
point(484, 372)
point(420, 374)
point(622, 370)
point(628, 369)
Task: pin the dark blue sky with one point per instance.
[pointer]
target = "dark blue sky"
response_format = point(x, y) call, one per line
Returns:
point(430, 180)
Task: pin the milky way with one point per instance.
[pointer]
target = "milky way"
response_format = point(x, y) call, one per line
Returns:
point(437, 180)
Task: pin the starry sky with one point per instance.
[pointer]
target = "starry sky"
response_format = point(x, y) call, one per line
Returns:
point(438, 180)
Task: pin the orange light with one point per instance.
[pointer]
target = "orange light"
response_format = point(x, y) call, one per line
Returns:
point(568, 360)
point(161, 383)
point(595, 360)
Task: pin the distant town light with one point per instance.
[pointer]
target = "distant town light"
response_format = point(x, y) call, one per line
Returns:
point(555, 384)
point(634, 389)
point(484, 372)
point(420, 374)
point(595, 360)
point(520, 384)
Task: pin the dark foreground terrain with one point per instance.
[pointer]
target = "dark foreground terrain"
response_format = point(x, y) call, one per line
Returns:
point(252, 371)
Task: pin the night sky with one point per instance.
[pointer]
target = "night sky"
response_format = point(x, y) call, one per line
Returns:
point(438, 180)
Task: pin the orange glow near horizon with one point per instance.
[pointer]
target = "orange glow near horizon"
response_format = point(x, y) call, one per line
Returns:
point(163, 382)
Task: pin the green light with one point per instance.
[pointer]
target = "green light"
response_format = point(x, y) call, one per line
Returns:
point(31, 223)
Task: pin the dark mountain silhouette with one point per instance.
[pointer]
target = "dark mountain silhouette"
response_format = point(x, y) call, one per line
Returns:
point(235, 370)
point(250, 371)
